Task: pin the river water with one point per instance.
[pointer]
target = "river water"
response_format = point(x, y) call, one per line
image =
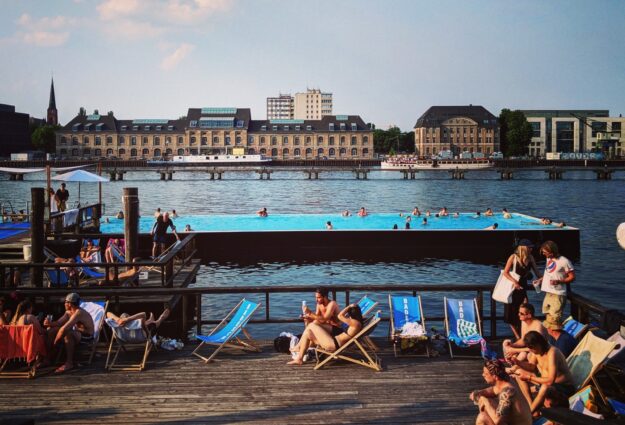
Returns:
point(596, 207)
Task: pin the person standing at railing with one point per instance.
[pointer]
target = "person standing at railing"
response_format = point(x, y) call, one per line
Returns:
point(54, 202)
point(559, 274)
point(62, 195)
point(159, 233)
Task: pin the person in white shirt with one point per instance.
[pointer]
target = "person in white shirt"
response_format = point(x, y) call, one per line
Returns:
point(559, 273)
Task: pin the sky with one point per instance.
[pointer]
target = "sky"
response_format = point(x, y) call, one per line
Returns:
point(387, 61)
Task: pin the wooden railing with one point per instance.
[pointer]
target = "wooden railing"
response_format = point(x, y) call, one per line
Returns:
point(88, 218)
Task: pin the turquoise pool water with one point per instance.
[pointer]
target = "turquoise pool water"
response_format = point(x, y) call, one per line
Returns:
point(290, 222)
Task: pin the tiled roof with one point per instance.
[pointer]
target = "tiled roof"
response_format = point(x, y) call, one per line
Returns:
point(436, 115)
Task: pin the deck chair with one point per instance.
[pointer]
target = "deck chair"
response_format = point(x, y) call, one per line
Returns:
point(96, 257)
point(574, 328)
point(587, 359)
point(615, 365)
point(161, 256)
point(88, 272)
point(57, 278)
point(366, 305)
point(226, 333)
point(462, 326)
point(407, 310)
point(14, 343)
point(131, 335)
point(369, 360)
point(97, 310)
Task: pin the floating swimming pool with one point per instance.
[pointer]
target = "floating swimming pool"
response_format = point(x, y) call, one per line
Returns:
point(308, 222)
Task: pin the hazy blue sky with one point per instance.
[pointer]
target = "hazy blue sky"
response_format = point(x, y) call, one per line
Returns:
point(387, 61)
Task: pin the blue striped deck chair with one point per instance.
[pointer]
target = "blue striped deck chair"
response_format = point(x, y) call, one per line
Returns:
point(617, 406)
point(366, 305)
point(97, 310)
point(404, 310)
point(463, 327)
point(117, 254)
point(365, 358)
point(574, 328)
point(57, 278)
point(96, 257)
point(226, 333)
point(87, 271)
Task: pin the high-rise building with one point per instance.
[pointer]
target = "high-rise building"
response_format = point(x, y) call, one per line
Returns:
point(312, 105)
point(280, 108)
point(52, 117)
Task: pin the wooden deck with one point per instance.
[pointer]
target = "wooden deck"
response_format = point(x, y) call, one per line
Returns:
point(250, 388)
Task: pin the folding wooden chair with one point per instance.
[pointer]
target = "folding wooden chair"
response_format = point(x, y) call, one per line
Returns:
point(125, 338)
point(407, 310)
point(97, 310)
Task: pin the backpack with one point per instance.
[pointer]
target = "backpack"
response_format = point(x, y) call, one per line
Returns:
point(282, 344)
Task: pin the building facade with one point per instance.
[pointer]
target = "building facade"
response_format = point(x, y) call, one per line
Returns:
point(14, 131)
point(457, 129)
point(312, 105)
point(575, 131)
point(281, 107)
point(214, 131)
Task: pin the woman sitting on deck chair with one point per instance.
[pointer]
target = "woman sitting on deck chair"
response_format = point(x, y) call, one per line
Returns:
point(332, 340)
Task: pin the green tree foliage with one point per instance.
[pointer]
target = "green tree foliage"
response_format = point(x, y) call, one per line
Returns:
point(393, 141)
point(44, 138)
point(515, 133)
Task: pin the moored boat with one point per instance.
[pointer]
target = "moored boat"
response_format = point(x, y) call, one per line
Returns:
point(435, 164)
point(215, 159)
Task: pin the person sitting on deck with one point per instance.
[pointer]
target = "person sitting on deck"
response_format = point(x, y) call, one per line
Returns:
point(518, 349)
point(88, 250)
point(326, 312)
point(148, 323)
point(546, 367)
point(362, 212)
point(332, 339)
point(502, 402)
point(262, 212)
point(489, 212)
point(24, 316)
point(74, 326)
point(558, 337)
point(114, 245)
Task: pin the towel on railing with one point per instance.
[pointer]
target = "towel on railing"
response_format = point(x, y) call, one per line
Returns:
point(69, 217)
point(21, 342)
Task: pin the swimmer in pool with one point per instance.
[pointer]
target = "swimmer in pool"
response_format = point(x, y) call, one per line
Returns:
point(489, 212)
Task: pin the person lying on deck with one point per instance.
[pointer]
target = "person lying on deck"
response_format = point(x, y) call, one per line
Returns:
point(502, 402)
point(74, 326)
point(148, 323)
point(329, 340)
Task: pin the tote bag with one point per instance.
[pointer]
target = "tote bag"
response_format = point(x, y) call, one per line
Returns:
point(504, 287)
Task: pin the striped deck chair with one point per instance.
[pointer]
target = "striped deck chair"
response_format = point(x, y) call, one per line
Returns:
point(57, 278)
point(462, 326)
point(587, 359)
point(366, 306)
point(367, 359)
point(574, 328)
point(615, 365)
point(131, 335)
point(226, 333)
point(97, 310)
point(407, 310)
point(88, 272)
point(96, 257)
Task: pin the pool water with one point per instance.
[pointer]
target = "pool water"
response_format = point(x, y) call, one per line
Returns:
point(293, 222)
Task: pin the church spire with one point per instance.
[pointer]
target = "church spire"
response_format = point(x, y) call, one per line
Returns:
point(52, 116)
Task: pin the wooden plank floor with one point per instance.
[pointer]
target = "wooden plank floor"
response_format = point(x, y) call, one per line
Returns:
point(250, 388)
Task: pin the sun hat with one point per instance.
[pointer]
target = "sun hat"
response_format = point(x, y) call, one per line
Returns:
point(526, 242)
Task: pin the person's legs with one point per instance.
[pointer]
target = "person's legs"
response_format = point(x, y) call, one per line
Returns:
point(305, 341)
point(164, 315)
point(525, 390)
point(484, 419)
point(154, 248)
point(71, 339)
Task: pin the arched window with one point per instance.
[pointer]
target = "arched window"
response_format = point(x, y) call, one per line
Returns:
point(109, 152)
point(122, 151)
point(296, 152)
point(120, 141)
point(353, 142)
point(251, 151)
point(342, 152)
point(308, 140)
point(320, 152)
point(365, 151)
point(342, 141)
point(85, 140)
point(331, 152)
point(263, 151)
point(227, 141)
point(331, 141)
point(285, 140)
point(237, 140)
point(133, 140)
point(180, 151)
point(168, 152)
point(157, 153)
point(74, 152)
point(215, 140)
point(262, 140)
point(365, 140)
point(168, 140)
point(109, 140)
point(285, 152)
point(192, 140)
point(308, 153)
point(145, 152)
point(204, 141)
point(250, 140)
point(274, 140)
point(144, 141)
point(296, 141)
point(133, 152)
point(98, 152)
point(98, 141)
point(157, 141)
point(274, 152)
point(180, 140)
point(319, 140)
point(74, 141)
point(354, 152)
point(63, 140)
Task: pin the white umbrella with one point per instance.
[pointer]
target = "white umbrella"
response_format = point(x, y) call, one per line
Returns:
point(80, 176)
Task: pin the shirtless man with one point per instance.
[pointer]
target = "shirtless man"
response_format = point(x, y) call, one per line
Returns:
point(546, 367)
point(262, 212)
point(528, 323)
point(326, 312)
point(74, 326)
point(502, 403)
point(489, 212)
point(362, 212)
point(443, 212)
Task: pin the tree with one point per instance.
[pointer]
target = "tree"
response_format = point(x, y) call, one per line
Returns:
point(393, 141)
point(44, 138)
point(515, 133)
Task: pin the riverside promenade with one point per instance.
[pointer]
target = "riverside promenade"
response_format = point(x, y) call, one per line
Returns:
point(177, 387)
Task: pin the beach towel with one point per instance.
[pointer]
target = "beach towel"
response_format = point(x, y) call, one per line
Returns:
point(21, 342)
point(69, 217)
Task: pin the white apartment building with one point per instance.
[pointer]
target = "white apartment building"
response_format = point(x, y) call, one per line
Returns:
point(280, 108)
point(312, 105)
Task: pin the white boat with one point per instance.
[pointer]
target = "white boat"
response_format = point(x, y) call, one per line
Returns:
point(216, 159)
point(435, 164)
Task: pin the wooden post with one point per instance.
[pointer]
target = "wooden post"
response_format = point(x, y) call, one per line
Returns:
point(185, 315)
point(198, 314)
point(130, 201)
point(99, 184)
point(37, 235)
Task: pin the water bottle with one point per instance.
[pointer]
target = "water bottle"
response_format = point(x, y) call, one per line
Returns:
point(304, 307)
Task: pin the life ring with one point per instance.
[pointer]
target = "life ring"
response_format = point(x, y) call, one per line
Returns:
point(620, 235)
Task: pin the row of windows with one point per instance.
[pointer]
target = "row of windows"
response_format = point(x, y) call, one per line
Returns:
point(457, 130)
point(434, 151)
point(297, 152)
point(457, 139)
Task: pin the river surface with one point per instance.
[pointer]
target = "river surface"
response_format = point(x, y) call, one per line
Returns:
point(596, 207)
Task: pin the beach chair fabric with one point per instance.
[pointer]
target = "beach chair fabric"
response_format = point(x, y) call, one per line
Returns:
point(226, 334)
point(20, 343)
point(366, 305)
point(406, 312)
point(462, 324)
point(97, 310)
point(367, 359)
point(587, 358)
point(574, 328)
point(88, 271)
point(124, 338)
point(57, 278)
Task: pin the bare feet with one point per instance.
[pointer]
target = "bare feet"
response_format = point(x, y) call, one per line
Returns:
point(165, 314)
point(296, 362)
point(64, 368)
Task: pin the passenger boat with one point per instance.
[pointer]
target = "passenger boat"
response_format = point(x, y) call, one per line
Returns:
point(214, 159)
point(435, 164)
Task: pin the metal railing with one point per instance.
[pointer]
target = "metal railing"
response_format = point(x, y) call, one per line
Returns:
point(88, 218)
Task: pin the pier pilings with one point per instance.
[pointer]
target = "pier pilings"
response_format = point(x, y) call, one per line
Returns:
point(457, 174)
point(264, 172)
point(364, 172)
point(555, 173)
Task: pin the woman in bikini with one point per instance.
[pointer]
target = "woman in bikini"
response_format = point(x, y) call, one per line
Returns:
point(333, 339)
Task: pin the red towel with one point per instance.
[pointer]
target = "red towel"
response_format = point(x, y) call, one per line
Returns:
point(21, 342)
